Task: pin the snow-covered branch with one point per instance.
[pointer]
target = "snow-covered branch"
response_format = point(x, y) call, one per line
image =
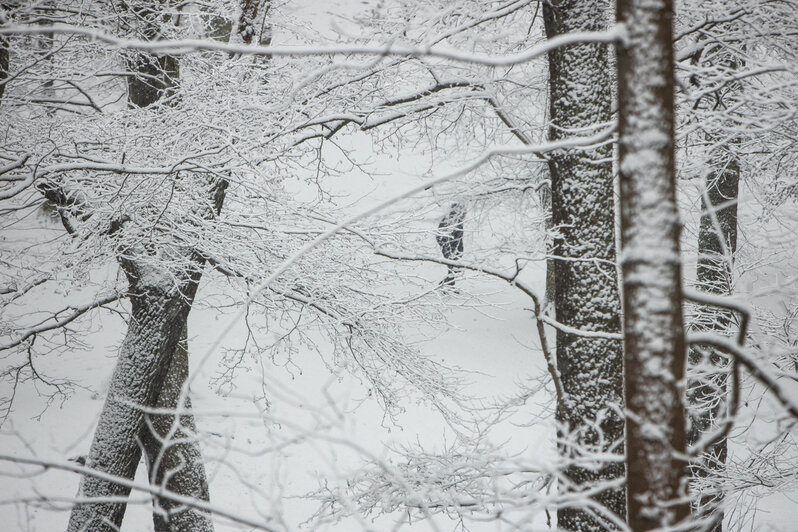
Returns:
point(184, 46)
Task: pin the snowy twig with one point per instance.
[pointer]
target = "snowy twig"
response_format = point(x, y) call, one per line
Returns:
point(760, 372)
point(77, 312)
point(705, 298)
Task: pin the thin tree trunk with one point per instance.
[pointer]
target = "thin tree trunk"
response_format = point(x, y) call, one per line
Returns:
point(707, 384)
point(4, 65)
point(707, 367)
point(585, 292)
point(654, 342)
point(174, 460)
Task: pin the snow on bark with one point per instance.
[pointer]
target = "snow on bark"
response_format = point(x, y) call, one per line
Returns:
point(159, 307)
point(707, 367)
point(586, 292)
point(174, 460)
point(654, 342)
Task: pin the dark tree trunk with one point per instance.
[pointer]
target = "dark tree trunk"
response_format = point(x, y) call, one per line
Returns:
point(707, 385)
point(173, 455)
point(4, 64)
point(654, 340)
point(585, 292)
point(450, 234)
point(155, 76)
point(707, 367)
point(156, 79)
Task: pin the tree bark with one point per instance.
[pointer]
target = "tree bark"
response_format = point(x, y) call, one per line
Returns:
point(654, 342)
point(152, 366)
point(585, 291)
point(158, 312)
point(707, 367)
point(174, 460)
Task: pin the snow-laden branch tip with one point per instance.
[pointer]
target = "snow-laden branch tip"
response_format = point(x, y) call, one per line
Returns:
point(58, 323)
point(714, 300)
point(11, 166)
point(184, 46)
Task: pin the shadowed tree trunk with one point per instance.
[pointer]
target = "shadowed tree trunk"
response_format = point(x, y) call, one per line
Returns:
point(654, 339)
point(173, 455)
point(707, 385)
point(707, 367)
point(4, 64)
point(585, 291)
point(450, 239)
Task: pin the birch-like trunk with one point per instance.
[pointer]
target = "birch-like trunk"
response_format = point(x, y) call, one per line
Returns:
point(654, 338)
point(585, 291)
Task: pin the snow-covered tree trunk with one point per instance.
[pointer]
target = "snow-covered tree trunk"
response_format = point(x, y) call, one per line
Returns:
point(173, 455)
point(654, 339)
point(153, 364)
point(159, 307)
point(708, 367)
point(586, 291)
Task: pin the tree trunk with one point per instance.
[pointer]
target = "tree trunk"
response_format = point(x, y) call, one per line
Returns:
point(173, 454)
point(158, 314)
point(707, 367)
point(654, 342)
point(153, 345)
point(585, 292)
point(156, 76)
point(4, 64)
point(174, 458)
point(156, 79)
